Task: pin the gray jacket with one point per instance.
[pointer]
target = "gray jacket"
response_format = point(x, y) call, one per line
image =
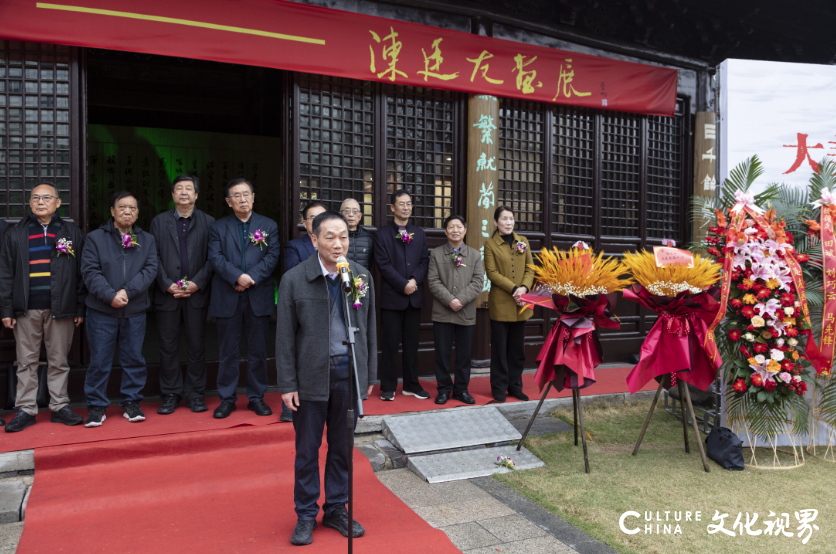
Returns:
point(302, 332)
point(447, 282)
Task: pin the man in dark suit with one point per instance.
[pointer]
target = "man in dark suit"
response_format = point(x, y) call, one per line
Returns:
point(3, 228)
point(182, 298)
point(244, 253)
point(300, 249)
point(400, 251)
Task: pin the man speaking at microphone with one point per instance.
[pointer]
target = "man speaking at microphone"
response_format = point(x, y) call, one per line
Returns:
point(315, 371)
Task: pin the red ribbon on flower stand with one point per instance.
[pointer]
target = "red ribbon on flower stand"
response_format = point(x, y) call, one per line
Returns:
point(673, 352)
point(572, 350)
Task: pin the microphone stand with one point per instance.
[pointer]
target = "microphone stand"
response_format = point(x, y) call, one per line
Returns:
point(353, 388)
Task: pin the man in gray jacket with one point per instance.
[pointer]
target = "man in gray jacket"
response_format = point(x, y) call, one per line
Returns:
point(314, 371)
point(455, 278)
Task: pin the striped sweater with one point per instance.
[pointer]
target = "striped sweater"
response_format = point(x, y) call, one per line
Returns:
point(41, 242)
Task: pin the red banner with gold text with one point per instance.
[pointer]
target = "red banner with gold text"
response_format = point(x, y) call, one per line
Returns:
point(828, 322)
point(299, 37)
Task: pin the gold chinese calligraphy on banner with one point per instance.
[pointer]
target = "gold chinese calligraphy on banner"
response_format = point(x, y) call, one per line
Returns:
point(482, 182)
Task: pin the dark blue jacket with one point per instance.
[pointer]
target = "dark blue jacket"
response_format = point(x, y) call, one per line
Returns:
point(297, 251)
point(225, 257)
point(399, 262)
point(107, 267)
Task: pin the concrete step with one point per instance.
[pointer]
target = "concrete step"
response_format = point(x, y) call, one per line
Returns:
point(467, 464)
point(429, 431)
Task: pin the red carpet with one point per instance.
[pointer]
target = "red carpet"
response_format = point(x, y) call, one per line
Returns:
point(44, 433)
point(224, 491)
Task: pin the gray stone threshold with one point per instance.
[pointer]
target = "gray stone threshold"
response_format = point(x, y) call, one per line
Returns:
point(514, 410)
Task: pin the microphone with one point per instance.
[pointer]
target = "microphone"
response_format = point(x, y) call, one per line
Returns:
point(342, 267)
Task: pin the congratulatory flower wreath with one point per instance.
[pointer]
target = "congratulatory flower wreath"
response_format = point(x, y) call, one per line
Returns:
point(581, 288)
point(683, 294)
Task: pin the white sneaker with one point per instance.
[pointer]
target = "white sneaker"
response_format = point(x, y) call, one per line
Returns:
point(420, 395)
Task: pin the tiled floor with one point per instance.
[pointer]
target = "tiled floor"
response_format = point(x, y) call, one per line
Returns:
point(476, 522)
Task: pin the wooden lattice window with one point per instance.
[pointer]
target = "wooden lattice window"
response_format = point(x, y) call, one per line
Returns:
point(520, 164)
point(573, 171)
point(664, 175)
point(419, 150)
point(336, 142)
point(34, 123)
point(620, 174)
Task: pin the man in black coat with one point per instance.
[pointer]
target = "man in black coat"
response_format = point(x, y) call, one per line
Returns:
point(244, 253)
point(118, 266)
point(42, 300)
point(3, 228)
point(400, 251)
point(300, 249)
point(360, 241)
point(182, 296)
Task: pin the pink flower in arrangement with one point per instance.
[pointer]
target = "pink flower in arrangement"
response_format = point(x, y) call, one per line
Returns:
point(520, 248)
point(129, 240)
point(405, 237)
point(65, 246)
point(259, 238)
point(356, 305)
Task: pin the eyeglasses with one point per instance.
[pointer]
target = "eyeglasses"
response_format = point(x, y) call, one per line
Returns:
point(354, 211)
point(238, 196)
point(404, 204)
point(47, 198)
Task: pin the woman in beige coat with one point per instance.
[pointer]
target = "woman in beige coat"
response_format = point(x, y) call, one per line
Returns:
point(507, 261)
point(455, 278)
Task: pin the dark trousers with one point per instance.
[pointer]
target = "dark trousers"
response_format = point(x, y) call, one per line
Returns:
point(104, 333)
point(444, 334)
point(255, 328)
point(400, 325)
point(190, 322)
point(309, 421)
point(507, 356)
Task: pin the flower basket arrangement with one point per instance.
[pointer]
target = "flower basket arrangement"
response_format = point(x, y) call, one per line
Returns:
point(766, 337)
point(581, 288)
point(686, 299)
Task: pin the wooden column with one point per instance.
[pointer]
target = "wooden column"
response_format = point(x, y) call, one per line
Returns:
point(705, 164)
point(482, 193)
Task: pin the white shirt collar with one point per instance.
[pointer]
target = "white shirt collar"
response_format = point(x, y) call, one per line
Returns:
point(325, 271)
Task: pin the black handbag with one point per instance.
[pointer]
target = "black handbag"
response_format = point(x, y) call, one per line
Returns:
point(725, 448)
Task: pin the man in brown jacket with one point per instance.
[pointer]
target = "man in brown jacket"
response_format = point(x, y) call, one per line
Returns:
point(455, 278)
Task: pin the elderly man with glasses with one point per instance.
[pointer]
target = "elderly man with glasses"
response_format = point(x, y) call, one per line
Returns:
point(360, 241)
point(42, 299)
point(300, 249)
point(244, 253)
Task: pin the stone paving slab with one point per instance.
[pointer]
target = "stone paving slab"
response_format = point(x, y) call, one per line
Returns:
point(453, 466)
point(20, 460)
point(11, 497)
point(441, 430)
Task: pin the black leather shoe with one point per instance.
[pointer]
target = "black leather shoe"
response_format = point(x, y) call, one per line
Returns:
point(66, 416)
point(2, 422)
point(196, 405)
point(224, 410)
point(286, 417)
point(170, 403)
point(441, 398)
point(338, 519)
point(303, 532)
point(464, 397)
point(19, 422)
point(520, 395)
point(259, 407)
point(499, 399)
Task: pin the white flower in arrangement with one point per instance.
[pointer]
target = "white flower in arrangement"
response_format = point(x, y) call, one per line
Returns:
point(776, 355)
point(797, 378)
point(798, 303)
point(760, 359)
point(780, 342)
point(750, 231)
point(758, 321)
point(749, 336)
point(792, 342)
point(789, 311)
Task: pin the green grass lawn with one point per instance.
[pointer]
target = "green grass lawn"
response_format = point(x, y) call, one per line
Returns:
point(662, 477)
